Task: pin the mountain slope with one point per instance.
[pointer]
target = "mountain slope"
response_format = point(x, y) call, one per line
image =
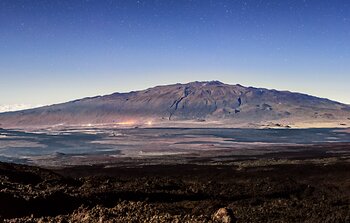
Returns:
point(206, 102)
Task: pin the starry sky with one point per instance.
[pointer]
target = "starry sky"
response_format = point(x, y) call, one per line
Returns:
point(53, 51)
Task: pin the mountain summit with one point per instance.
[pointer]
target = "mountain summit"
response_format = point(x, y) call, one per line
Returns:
point(209, 103)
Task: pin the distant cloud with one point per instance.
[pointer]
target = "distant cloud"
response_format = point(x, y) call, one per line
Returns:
point(16, 107)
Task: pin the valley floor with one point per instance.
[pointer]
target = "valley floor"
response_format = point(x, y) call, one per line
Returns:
point(301, 187)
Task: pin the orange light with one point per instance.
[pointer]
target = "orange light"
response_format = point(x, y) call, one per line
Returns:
point(126, 123)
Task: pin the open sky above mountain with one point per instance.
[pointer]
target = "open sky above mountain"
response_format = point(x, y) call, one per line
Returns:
point(55, 51)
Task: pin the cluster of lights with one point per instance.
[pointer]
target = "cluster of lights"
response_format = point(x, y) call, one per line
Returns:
point(126, 123)
point(131, 122)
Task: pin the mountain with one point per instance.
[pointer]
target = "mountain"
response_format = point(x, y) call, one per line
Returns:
point(197, 103)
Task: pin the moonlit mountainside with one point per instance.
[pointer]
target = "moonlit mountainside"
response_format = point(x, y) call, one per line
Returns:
point(199, 103)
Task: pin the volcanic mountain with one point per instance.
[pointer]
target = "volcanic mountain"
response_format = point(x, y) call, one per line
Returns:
point(197, 103)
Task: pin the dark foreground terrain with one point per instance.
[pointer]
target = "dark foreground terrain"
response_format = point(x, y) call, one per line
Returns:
point(281, 189)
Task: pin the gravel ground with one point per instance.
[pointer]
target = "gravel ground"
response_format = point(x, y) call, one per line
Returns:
point(272, 192)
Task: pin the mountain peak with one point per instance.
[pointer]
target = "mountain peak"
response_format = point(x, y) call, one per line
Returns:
point(213, 82)
point(208, 101)
point(200, 83)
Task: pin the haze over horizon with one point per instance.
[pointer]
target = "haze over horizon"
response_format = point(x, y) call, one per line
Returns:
point(57, 51)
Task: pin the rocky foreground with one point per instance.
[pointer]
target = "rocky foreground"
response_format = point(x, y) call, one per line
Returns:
point(270, 192)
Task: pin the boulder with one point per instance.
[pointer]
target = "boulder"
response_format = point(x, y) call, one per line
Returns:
point(224, 215)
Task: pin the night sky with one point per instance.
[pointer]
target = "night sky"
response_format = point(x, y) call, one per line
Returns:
point(52, 51)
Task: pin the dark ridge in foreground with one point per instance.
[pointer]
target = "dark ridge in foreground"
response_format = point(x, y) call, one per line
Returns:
point(199, 102)
point(308, 192)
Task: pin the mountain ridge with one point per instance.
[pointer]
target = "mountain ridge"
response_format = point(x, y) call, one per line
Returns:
point(199, 101)
point(203, 82)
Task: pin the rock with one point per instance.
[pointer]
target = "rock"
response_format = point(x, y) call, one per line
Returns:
point(224, 215)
